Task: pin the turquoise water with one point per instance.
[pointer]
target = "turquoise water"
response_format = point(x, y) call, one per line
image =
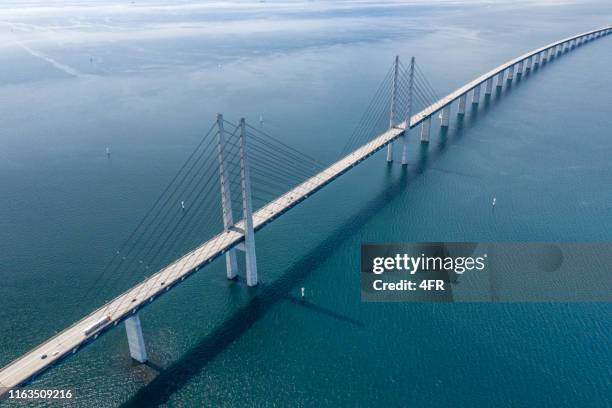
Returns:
point(147, 80)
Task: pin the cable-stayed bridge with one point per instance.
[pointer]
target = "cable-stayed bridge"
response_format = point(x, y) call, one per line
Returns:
point(239, 179)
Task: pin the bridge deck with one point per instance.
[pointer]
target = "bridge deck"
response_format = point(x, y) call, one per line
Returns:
point(441, 103)
point(72, 338)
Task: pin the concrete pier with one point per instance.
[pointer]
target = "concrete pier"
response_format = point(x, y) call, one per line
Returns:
point(489, 86)
point(444, 120)
point(537, 60)
point(425, 125)
point(461, 110)
point(135, 339)
point(528, 66)
point(519, 69)
point(500, 79)
point(510, 73)
point(476, 95)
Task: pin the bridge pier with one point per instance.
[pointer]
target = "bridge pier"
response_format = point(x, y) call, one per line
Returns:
point(500, 79)
point(489, 87)
point(135, 339)
point(528, 66)
point(519, 69)
point(510, 73)
point(461, 110)
point(247, 211)
point(444, 120)
point(425, 125)
point(476, 95)
point(536, 60)
point(231, 263)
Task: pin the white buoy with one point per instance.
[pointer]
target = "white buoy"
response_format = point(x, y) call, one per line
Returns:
point(108, 151)
point(302, 292)
point(494, 200)
point(182, 205)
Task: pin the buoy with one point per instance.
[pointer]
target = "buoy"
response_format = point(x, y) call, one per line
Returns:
point(108, 151)
point(494, 199)
point(302, 292)
point(182, 205)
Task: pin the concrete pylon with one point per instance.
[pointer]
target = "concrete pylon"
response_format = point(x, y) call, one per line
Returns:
point(247, 210)
point(393, 106)
point(226, 199)
point(408, 113)
point(135, 339)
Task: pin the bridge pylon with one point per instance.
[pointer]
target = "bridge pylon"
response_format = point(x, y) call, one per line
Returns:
point(393, 105)
point(408, 113)
point(226, 199)
point(245, 227)
point(247, 211)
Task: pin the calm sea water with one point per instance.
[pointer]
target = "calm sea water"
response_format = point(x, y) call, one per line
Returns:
point(147, 79)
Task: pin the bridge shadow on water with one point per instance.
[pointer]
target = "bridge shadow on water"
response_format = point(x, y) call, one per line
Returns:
point(174, 377)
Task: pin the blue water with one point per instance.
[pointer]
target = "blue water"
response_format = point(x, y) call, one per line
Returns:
point(147, 80)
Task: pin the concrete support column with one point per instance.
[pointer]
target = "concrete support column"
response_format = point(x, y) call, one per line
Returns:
point(247, 211)
point(510, 73)
point(489, 86)
point(135, 339)
point(444, 120)
point(476, 95)
point(500, 79)
point(528, 65)
point(425, 125)
point(408, 113)
point(544, 54)
point(393, 107)
point(461, 110)
point(536, 60)
point(519, 69)
point(226, 200)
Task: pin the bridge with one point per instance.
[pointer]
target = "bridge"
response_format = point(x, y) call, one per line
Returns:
point(402, 90)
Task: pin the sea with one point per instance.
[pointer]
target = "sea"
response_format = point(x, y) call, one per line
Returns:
point(147, 78)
